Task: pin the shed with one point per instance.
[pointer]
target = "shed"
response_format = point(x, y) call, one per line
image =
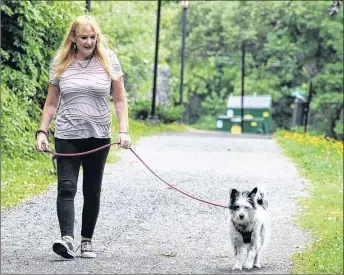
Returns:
point(257, 115)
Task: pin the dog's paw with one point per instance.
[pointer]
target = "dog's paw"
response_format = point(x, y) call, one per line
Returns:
point(257, 265)
point(248, 265)
point(237, 266)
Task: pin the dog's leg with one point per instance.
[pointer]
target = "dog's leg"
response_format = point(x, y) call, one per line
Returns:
point(250, 257)
point(253, 251)
point(256, 262)
point(238, 253)
point(264, 233)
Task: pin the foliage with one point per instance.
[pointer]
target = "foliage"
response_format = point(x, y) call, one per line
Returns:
point(130, 27)
point(141, 109)
point(286, 43)
point(17, 128)
point(26, 27)
point(25, 67)
point(282, 113)
point(206, 123)
point(29, 25)
point(321, 161)
point(170, 114)
point(330, 103)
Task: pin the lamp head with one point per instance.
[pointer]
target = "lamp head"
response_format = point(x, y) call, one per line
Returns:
point(185, 4)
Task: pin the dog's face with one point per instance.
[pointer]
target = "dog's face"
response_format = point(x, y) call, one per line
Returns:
point(242, 206)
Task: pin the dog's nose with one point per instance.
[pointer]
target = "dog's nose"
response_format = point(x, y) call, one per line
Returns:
point(241, 216)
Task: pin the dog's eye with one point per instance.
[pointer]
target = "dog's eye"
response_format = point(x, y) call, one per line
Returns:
point(246, 207)
point(236, 207)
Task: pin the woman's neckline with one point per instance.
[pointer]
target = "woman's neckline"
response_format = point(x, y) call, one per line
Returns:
point(84, 60)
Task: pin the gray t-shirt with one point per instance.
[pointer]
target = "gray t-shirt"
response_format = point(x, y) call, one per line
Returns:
point(84, 109)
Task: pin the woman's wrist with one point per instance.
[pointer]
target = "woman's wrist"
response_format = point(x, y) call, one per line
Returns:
point(123, 132)
point(41, 131)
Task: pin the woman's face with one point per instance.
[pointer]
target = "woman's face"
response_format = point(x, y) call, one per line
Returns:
point(85, 42)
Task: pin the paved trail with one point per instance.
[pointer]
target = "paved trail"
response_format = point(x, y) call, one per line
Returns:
point(146, 227)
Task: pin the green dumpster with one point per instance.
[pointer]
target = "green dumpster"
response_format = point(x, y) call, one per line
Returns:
point(233, 125)
point(256, 108)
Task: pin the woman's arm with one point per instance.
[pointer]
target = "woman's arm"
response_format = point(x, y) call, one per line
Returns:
point(48, 114)
point(121, 106)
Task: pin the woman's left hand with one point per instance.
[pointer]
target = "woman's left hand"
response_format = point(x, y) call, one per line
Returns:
point(124, 140)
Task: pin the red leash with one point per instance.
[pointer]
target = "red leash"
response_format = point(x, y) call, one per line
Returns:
point(79, 154)
point(107, 145)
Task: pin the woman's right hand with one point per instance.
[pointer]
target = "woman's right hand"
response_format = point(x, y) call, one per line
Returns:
point(42, 142)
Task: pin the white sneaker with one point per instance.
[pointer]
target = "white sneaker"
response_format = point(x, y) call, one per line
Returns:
point(87, 249)
point(64, 247)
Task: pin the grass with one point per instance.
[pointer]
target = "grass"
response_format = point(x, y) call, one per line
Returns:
point(23, 178)
point(321, 161)
point(205, 123)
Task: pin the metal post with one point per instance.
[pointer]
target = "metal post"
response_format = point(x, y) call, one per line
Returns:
point(182, 56)
point(242, 85)
point(309, 99)
point(156, 57)
point(88, 5)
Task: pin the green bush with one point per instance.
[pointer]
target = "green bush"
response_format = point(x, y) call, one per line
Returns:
point(19, 121)
point(31, 37)
point(206, 123)
point(35, 31)
point(170, 114)
point(141, 109)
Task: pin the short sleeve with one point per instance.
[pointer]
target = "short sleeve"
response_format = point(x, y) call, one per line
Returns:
point(116, 66)
point(52, 70)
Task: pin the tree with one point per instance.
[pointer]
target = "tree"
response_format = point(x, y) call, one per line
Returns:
point(30, 36)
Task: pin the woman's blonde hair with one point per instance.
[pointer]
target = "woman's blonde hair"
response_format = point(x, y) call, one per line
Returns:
point(66, 53)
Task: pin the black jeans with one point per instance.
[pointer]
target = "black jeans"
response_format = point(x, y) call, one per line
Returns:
point(67, 176)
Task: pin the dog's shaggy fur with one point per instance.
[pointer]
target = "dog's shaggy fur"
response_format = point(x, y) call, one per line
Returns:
point(249, 226)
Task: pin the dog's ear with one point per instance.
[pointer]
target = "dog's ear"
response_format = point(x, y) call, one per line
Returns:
point(234, 193)
point(253, 192)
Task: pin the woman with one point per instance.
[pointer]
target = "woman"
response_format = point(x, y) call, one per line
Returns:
point(82, 75)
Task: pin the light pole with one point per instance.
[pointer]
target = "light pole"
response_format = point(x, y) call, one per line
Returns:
point(246, 45)
point(242, 85)
point(185, 5)
point(156, 59)
point(308, 103)
point(88, 5)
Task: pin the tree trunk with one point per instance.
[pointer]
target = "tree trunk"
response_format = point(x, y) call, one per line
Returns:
point(331, 132)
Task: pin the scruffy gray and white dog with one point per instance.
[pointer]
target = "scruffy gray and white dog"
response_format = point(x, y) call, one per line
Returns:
point(249, 226)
